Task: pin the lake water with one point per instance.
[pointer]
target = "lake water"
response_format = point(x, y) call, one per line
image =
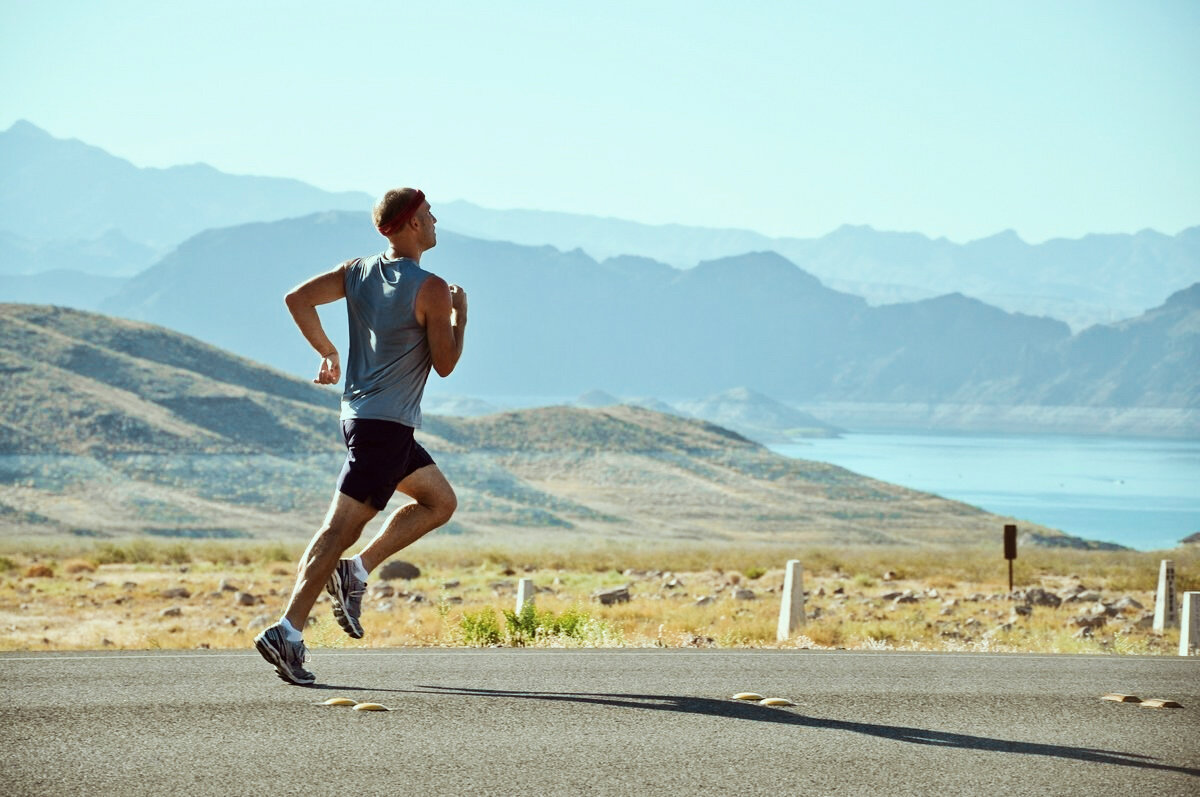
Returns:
point(1141, 493)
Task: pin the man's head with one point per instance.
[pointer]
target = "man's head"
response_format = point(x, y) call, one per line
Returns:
point(402, 214)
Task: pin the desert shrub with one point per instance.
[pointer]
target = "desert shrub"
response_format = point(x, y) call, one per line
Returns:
point(572, 623)
point(140, 551)
point(39, 571)
point(6, 564)
point(530, 626)
point(127, 553)
point(480, 628)
point(753, 573)
point(75, 566)
point(521, 627)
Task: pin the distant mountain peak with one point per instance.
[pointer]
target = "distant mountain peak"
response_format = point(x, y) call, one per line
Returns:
point(1008, 237)
point(26, 129)
point(1188, 297)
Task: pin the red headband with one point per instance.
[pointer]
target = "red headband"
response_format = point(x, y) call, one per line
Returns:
point(402, 216)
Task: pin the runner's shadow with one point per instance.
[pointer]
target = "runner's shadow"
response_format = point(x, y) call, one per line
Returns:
point(347, 687)
point(739, 710)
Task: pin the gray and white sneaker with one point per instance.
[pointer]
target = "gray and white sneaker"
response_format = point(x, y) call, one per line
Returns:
point(287, 656)
point(346, 589)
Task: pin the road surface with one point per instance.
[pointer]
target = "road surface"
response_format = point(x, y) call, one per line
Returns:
point(605, 722)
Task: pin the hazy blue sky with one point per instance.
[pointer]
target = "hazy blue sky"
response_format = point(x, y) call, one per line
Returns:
point(949, 118)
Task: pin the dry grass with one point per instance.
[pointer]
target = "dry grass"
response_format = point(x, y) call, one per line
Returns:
point(111, 596)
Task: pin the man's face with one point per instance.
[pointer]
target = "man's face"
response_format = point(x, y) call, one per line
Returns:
point(427, 221)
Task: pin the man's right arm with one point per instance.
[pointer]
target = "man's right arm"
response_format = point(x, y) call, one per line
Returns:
point(302, 303)
point(442, 310)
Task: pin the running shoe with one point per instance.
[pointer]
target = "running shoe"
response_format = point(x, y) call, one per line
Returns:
point(287, 656)
point(346, 589)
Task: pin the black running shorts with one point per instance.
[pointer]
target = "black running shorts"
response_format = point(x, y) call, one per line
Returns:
point(379, 455)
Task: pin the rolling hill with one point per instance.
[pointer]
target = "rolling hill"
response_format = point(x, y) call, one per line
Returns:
point(114, 428)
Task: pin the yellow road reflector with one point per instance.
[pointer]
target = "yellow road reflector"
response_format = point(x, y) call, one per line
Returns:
point(775, 701)
point(748, 696)
point(1117, 697)
point(370, 707)
point(339, 701)
point(1160, 704)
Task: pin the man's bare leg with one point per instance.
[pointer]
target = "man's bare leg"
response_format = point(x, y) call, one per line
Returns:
point(342, 527)
point(433, 504)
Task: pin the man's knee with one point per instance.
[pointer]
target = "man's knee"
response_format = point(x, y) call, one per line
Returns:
point(443, 503)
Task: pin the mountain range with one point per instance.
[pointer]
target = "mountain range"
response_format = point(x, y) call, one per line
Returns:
point(166, 247)
point(1094, 279)
point(59, 198)
point(122, 428)
point(70, 206)
point(551, 323)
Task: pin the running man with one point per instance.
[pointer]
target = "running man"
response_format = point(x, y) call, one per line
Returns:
point(403, 321)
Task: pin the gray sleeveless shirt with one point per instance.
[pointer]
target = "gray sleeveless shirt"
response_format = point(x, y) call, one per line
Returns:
point(389, 358)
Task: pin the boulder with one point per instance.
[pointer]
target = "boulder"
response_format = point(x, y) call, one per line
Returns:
point(173, 611)
point(1127, 602)
point(610, 596)
point(227, 586)
point(1036, 596)
point(399, 569)
point(1068, 594)
point(176, 592)
point(247, 599)
point(743, 594)
point(1088, 620)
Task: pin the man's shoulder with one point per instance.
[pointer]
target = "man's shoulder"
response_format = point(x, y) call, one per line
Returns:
point(360, 262)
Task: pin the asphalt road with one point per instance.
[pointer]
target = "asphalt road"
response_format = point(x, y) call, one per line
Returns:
point(620, 722)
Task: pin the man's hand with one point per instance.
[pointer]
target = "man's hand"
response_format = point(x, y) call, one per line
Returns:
point(458, 302)
point(331, 370)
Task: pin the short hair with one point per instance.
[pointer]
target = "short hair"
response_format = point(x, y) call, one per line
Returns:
point(395, 208)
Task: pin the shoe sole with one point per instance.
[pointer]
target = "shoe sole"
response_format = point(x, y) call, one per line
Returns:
point(274, 657)
point(333, 586)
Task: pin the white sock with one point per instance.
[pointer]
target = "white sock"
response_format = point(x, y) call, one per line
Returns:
point(359, 570)
point(292, 634)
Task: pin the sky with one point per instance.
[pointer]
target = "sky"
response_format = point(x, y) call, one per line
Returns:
point(958, 119)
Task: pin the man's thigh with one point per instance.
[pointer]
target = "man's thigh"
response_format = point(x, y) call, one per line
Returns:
point(427, 486)
point(347, 513)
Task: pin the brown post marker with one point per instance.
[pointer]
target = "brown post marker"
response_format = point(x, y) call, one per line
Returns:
point(1010, 551)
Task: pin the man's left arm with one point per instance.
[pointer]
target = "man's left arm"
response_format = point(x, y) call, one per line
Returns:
point(302, 303)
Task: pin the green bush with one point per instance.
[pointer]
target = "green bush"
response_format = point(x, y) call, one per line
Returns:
point(755, 572)
point(480, 628)
point(530, 625)
point(6, 564)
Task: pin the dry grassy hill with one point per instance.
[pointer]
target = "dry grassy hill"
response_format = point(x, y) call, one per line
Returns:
point(113, 428)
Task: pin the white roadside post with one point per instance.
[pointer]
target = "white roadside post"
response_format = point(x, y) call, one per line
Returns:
point(1166, 615)
point(524, 593)
point(791, 609)
point(1189, 628)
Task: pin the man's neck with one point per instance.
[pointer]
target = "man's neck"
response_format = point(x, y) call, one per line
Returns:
point(394, 253)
